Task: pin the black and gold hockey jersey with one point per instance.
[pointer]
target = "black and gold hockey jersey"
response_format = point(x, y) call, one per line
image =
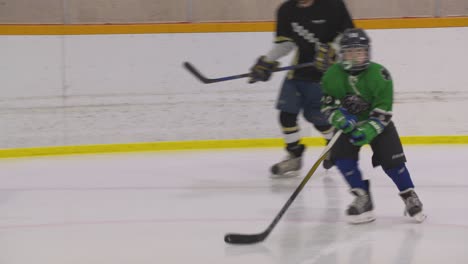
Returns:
point(321, 22)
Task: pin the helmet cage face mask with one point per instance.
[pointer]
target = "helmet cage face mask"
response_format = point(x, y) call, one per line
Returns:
point(355, 57)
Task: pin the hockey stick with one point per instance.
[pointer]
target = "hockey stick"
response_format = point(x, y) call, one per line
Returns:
point(232, 238)
point(203, 79)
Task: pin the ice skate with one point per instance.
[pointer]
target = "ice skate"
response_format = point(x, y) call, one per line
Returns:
point(327, 162)
point(413, 206)
point(361, 209)
point(291, 165)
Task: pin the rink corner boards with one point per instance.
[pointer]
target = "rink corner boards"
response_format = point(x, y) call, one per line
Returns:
point(214, 27)
point(197, 145)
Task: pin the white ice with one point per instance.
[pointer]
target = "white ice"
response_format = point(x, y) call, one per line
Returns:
point(175, 207)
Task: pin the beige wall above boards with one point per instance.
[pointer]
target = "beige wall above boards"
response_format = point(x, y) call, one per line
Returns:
point(125, 11)
point(31, 11)
point(405, 8)
point(92, 11)
point(454, 8)
point(154, 11)
point(389, 9)
point(239, 10)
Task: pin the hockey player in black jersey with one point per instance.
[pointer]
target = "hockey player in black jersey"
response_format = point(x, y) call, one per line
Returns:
point(310, 27)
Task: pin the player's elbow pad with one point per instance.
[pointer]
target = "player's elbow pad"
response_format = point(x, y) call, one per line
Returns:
point(383, 116)
point(376, 124)
point(280, 50)
point(379, 119)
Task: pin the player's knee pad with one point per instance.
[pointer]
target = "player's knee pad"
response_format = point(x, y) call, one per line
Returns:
point(352, 174)
point(388, 165)
point(288, 119)
point(400, 176)
point(346, 166)
point(315, 117)
point(324, 129)
point(327, 131)
point(290, 128)
point(396, 171)
point(394, 166)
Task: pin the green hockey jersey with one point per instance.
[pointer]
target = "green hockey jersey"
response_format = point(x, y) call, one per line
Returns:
point(374, 86)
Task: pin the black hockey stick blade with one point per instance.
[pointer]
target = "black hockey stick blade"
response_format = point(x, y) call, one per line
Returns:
point(203, 79)
point(244, 239)
point(256, 238)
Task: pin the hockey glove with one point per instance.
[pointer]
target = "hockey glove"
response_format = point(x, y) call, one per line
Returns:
point(341, 119)
point(262, 70)
point(365, 133)
point(324, 56)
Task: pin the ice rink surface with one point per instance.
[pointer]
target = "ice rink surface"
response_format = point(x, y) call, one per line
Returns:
point(175, 207)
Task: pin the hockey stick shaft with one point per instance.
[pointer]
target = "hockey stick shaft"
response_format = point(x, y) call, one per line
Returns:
point(255, 238)
point(203, 79)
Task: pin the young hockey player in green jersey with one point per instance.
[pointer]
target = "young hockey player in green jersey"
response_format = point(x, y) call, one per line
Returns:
point(358, 98)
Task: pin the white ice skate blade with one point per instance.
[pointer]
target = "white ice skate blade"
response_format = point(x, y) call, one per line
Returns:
point(419, 217)
point(289, 174)
point(362, 218)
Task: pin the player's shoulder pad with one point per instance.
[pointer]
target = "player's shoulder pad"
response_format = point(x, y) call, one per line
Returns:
point(331, 72)
point(381, 72)
point(335, 68)
point(284, 10)
point(335, 3)
point(286, 5)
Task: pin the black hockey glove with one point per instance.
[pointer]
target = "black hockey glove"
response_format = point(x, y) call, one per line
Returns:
point(324, 56)
point(355, 104)
point(262, 70)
